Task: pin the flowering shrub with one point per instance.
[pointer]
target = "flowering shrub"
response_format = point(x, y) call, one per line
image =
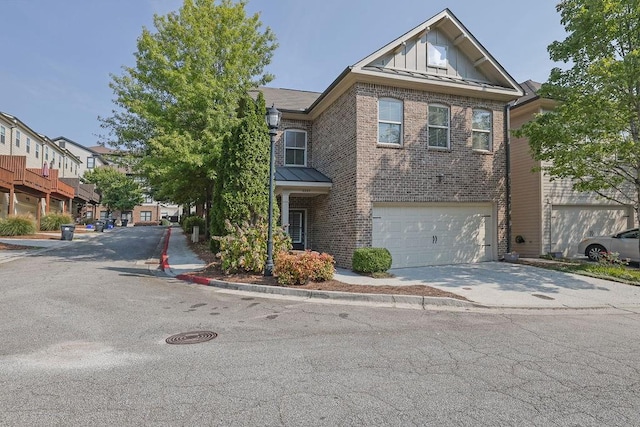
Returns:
point(298, 269)
point(612, 258)
point(244, 248)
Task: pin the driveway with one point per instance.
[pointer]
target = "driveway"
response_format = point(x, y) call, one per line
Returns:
point(500, 284)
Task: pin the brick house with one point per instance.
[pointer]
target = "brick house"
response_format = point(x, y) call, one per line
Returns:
point(406, 149)
point(548, 216)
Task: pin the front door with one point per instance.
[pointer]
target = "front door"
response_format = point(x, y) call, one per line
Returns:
point(296, 229)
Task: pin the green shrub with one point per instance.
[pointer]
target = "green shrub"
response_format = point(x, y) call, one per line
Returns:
point(144, 223)
point(298, 269)
point(190, 222)
point(53, 221)
point(19, 225)
point(371, 260)
point(165, 222)
point(244, 248)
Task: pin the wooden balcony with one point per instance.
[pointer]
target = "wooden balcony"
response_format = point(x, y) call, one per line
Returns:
point(83, 192)
point(23, 177)
point(6, 178)
point(59, 189)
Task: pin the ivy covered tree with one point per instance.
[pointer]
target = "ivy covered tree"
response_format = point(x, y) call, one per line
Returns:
point(241, 192)
point(118, 192)
point(593, 136)
point(176, 105)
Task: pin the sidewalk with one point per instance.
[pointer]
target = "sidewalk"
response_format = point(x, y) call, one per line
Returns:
point(485, 285)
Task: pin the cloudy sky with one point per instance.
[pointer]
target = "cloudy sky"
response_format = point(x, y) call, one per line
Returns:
point(57, 55)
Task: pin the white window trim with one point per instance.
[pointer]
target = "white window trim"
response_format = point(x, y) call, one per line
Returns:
point(306, 145)
point(432, 47)
point(490, 131)
point(3, 135)
point(401, 123)
point(448, 128)
point(18, 138)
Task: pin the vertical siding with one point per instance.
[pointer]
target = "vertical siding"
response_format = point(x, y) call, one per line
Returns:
point(526, 195)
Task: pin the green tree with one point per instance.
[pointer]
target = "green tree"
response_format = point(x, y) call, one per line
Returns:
point(176, 105)
point(593, 136)
point(241, 192)
point(118, 192)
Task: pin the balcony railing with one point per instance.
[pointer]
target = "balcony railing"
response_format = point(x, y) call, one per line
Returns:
point(6, 178)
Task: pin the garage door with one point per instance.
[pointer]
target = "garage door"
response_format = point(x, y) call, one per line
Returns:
point(433, 235)
point(571, 224)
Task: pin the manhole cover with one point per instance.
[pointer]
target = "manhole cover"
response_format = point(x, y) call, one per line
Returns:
point(194, 337)
point(541, 296)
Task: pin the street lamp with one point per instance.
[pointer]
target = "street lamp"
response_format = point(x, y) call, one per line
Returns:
point(273, 120)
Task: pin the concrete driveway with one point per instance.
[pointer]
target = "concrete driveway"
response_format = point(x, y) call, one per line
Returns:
point(500, 284)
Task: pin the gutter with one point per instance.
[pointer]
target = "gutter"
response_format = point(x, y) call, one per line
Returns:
point(507, 138)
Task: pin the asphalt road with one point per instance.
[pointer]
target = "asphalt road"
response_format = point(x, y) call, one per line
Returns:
point(83, 343)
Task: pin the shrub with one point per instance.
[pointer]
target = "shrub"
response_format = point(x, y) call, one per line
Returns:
point(298, 269)
point(190, 222)
point(244, 248)
point(145, 223)
point(19, 225)
point(53, 221)
point(371, 260)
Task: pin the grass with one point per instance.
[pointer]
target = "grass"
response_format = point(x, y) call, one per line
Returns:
point(600, 270)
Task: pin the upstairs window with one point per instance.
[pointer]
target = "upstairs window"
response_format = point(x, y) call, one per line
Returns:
point(390, 121)
point(46, 153)
point(438, 126)
point(91, 162)
point(3, 134)
point(37, 150)
point(436, 56)
point(295, 148)
point(28, 146)
point(53, 159)
point(18, 136)
point(481, 130)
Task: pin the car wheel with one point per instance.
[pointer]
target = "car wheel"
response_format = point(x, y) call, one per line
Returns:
point(595, 252)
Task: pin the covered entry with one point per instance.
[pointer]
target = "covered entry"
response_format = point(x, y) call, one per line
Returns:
point(422, 234)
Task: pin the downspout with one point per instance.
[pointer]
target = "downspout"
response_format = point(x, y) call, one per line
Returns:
point(507, 138)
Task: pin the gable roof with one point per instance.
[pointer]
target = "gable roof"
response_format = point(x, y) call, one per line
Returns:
point(287, 99)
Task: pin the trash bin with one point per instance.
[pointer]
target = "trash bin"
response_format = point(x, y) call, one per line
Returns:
point(125, 222)
point(67, 231)
point(100, 226)
point(110, 223)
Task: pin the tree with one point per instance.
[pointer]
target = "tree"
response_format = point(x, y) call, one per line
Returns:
point(593, 136)
point(118, 192)
point(177, 104)
point(241, 193)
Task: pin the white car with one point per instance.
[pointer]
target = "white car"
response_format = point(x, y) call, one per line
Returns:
point(625, 244)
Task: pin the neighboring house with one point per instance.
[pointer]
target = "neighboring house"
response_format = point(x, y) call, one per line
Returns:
point(31, 167)
point(90, 157)
point(406, 150)
point(548, 216)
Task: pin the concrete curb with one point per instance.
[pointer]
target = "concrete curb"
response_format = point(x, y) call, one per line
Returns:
point(413, 301)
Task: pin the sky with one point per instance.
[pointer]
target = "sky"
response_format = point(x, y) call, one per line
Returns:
point(58, 55)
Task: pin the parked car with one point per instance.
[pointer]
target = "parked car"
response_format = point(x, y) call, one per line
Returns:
point(624, 243)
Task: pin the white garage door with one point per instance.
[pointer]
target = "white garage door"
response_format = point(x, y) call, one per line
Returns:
point(571, 224)
point(432, 235)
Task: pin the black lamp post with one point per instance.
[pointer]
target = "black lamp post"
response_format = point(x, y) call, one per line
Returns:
point(273, 120)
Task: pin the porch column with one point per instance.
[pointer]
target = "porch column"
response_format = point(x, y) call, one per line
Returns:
point(12, 195)
point(284, 211)
point(47, 200)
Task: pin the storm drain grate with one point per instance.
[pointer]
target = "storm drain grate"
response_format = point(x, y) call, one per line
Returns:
point(194, 337)
point(542, 296)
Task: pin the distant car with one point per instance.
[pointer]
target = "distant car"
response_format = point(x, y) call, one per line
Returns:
point(624, 243)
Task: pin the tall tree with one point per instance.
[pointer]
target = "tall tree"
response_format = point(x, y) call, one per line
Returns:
point(177, 104)
point(593, 135)
point(241, 192)
point(118, 192)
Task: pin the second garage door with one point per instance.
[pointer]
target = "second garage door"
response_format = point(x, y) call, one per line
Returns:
point(571, 224)
point(419, 235)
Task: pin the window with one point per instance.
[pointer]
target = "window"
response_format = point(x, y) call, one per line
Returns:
point(145, 216)
point(148, 199)
point(91, 162)
point(89, 215)
point(66, 163)
point(53, 159)
point(18, 135)
point(46, 153)
point(436, 56)
point(295, 148)
point(104, 214)
point(28, 147)
point(481, 130)
point(3, 134)
point(438, 124)
point(390, 121)
point(37, 150)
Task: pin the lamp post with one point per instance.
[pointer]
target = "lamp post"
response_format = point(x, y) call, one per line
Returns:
point(273, 120)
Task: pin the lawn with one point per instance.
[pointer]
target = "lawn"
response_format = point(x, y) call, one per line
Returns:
point(616, 272)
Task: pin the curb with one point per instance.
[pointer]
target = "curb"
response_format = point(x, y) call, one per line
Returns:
point(164, 258)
